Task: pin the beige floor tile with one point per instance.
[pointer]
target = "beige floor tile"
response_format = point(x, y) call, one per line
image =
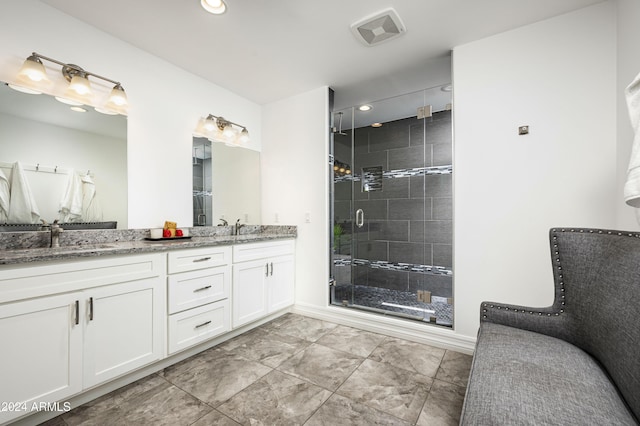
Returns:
point(455, 368)
point(416, 357)
point(443, 406)
point(394, 390)
point(342, 411)
point(217, 380)
point(352, 340)
point(322, 366)
point(276, 399)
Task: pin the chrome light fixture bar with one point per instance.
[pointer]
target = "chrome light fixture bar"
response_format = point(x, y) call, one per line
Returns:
point(32, 78)
point(219, 129)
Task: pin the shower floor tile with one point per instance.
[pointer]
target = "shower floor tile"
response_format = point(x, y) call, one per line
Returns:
point(401, 303)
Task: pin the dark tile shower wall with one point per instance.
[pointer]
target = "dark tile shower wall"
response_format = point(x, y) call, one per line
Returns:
point(410, 219)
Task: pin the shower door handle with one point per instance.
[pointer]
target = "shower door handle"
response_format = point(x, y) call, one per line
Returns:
point(359, 218)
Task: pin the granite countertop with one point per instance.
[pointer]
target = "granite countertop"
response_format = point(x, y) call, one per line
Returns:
point(28, 247)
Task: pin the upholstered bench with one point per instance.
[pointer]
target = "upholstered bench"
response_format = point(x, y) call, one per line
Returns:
point(576, 362)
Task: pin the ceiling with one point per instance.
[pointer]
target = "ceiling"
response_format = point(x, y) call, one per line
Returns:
point(266, 50)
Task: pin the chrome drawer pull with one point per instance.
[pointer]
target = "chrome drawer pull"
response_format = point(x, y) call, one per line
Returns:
point(202, 289)
point(203, 324)
point(204, 259)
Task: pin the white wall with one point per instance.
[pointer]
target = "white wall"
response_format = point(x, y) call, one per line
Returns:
point(295, 165)
point(628, 68)
point(166, 103)
point(557, 76)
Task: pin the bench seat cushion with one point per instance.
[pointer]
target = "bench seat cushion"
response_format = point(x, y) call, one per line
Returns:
point(519, 377)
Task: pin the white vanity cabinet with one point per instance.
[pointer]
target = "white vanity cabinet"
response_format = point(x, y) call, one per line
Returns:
point(199, 284)
point(263, 279)
point(68, 326)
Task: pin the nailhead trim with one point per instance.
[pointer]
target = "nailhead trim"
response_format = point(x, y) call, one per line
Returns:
point(556, 253)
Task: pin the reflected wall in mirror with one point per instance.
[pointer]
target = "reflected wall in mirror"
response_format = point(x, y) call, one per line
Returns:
point(235, 183)
point(45, 135)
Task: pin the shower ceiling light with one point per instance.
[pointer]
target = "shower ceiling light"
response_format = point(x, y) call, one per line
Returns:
point(365, 108)
point(32, 78)
point(217, 7)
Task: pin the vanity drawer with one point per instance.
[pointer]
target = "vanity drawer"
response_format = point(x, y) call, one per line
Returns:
point(261, 250)
point(197, 325)
point(192, 289)
point(200, 258)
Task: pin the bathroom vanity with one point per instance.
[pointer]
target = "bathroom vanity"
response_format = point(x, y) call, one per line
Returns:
point(77, 317)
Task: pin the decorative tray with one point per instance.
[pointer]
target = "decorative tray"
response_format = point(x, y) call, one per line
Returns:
point(186, 237)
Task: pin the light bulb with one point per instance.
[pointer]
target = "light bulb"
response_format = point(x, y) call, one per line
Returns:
point(244, 136)
point(229, 132)
point(78, 91)
point(80, 84)
point(33, 69)
point(117, 96)
point(209, 124)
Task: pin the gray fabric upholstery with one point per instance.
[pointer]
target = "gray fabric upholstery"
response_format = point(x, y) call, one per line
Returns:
point(596, 308)
point(526, 378)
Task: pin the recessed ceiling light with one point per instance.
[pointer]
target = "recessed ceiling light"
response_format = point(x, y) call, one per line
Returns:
point(446, 88)
point(77, 109)
point(365, 107)
point(217, 7)
point(376, 125)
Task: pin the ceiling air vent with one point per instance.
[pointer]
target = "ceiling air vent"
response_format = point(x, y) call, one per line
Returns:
point(382, 26)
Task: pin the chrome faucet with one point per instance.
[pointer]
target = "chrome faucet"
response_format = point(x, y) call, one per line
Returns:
point(224, 222)
point(238, 226)
point(55, 234)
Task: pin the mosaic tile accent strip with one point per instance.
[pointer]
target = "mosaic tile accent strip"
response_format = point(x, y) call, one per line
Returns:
point(400, 173)
point(395, 266)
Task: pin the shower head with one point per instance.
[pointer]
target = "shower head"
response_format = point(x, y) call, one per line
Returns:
point(339, 130)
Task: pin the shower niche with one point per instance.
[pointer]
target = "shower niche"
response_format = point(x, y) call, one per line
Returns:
point(391, 215)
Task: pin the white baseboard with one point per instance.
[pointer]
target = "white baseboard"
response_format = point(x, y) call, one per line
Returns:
point(395, 327)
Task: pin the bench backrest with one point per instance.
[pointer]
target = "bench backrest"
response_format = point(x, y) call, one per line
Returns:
point(598, 273)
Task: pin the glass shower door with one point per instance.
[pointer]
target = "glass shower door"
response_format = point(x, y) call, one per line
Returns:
point(344, 237)
point(392, 207)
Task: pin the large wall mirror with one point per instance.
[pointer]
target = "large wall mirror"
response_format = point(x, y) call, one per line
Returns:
point(226, 184)
point(50, 140)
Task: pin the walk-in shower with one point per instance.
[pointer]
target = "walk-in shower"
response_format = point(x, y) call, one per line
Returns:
point(392, 210)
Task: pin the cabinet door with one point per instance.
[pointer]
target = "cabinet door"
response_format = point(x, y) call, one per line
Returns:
point(249, 291)
point(280, 283)
point(123, 328)
point(41, 357)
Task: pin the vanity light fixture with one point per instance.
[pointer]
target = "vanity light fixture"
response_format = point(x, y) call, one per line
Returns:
point(32, 78)
point(219, 129)
point(217, 7)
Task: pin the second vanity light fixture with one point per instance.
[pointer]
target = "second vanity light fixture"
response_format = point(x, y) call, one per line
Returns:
point(32, 78)
point(219, 129)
